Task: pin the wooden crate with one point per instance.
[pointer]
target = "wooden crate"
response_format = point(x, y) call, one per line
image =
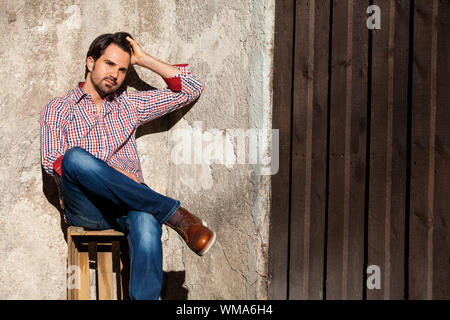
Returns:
point(96, 265)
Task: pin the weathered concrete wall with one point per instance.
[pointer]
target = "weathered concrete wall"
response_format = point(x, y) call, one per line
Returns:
point(228, 45)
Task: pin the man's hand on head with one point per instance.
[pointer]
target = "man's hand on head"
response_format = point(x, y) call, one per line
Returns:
point(141, 58)
point(137, 52)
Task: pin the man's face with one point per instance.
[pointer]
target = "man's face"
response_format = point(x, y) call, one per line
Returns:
point(109, 71)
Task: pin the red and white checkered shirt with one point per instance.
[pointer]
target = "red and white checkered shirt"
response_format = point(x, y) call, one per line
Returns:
point(72, 121)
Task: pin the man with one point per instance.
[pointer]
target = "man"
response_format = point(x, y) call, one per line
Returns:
point(88, 144)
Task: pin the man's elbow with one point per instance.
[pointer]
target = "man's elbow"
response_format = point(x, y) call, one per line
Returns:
point(198, 90)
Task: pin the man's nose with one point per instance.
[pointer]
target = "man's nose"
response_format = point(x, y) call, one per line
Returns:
point(115, 74)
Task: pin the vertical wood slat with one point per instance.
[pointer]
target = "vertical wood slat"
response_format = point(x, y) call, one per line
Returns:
point(345, 246)
point(124, 269)
point(105, 272)
point(309, 154)
point(319, 140)
point(116, 269)
point(422, 150)
point(73, 276)
point(93, 272)
point(396, 280)
point(441, 236)
point(386, 215)
point(338, 194)
point(356, 150)
point(84, 292)
point(301, 139)
point(282, 95)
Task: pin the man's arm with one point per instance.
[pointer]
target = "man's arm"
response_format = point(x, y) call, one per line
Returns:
point(145, 60)
point(53, 144)
point(183, 86)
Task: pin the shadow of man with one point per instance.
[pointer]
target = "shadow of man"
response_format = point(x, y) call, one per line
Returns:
point(173, 288)
point(161, 124)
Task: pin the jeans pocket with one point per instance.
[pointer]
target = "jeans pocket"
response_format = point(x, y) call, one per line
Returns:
point(80, 221)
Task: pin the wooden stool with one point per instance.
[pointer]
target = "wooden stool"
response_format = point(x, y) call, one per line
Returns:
point(96, 267)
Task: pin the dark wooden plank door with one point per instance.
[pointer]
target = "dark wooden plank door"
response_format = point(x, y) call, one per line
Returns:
point(363, 118)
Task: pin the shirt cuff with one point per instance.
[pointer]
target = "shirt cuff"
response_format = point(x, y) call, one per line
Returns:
point(174, 83)
point(57, 165)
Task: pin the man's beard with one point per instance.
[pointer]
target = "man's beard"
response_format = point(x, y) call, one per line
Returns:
point(102, 89)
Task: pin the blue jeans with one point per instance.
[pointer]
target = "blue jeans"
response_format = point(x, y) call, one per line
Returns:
point(98, 197)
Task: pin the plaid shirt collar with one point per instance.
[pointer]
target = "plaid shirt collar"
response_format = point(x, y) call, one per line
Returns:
point(77, 93)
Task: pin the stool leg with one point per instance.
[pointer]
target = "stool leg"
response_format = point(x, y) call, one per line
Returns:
point(116, 266)
point(93, 277)
point(72, 268)
point(105, 272)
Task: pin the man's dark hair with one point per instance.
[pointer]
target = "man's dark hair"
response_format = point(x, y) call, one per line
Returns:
point(99, 45)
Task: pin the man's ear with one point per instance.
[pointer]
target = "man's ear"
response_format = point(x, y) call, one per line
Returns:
point(90, 63)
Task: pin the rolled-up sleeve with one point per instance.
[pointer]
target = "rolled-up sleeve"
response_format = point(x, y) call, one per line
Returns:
point(53, 143)
point(181, 90)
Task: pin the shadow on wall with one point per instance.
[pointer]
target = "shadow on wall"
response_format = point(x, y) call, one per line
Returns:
point(172, 287)
point(173, 280)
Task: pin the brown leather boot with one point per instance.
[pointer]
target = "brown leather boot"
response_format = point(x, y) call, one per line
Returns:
point(198, 237)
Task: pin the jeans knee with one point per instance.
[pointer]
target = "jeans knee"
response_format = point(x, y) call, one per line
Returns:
point(145, 229)
point(76, 158)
